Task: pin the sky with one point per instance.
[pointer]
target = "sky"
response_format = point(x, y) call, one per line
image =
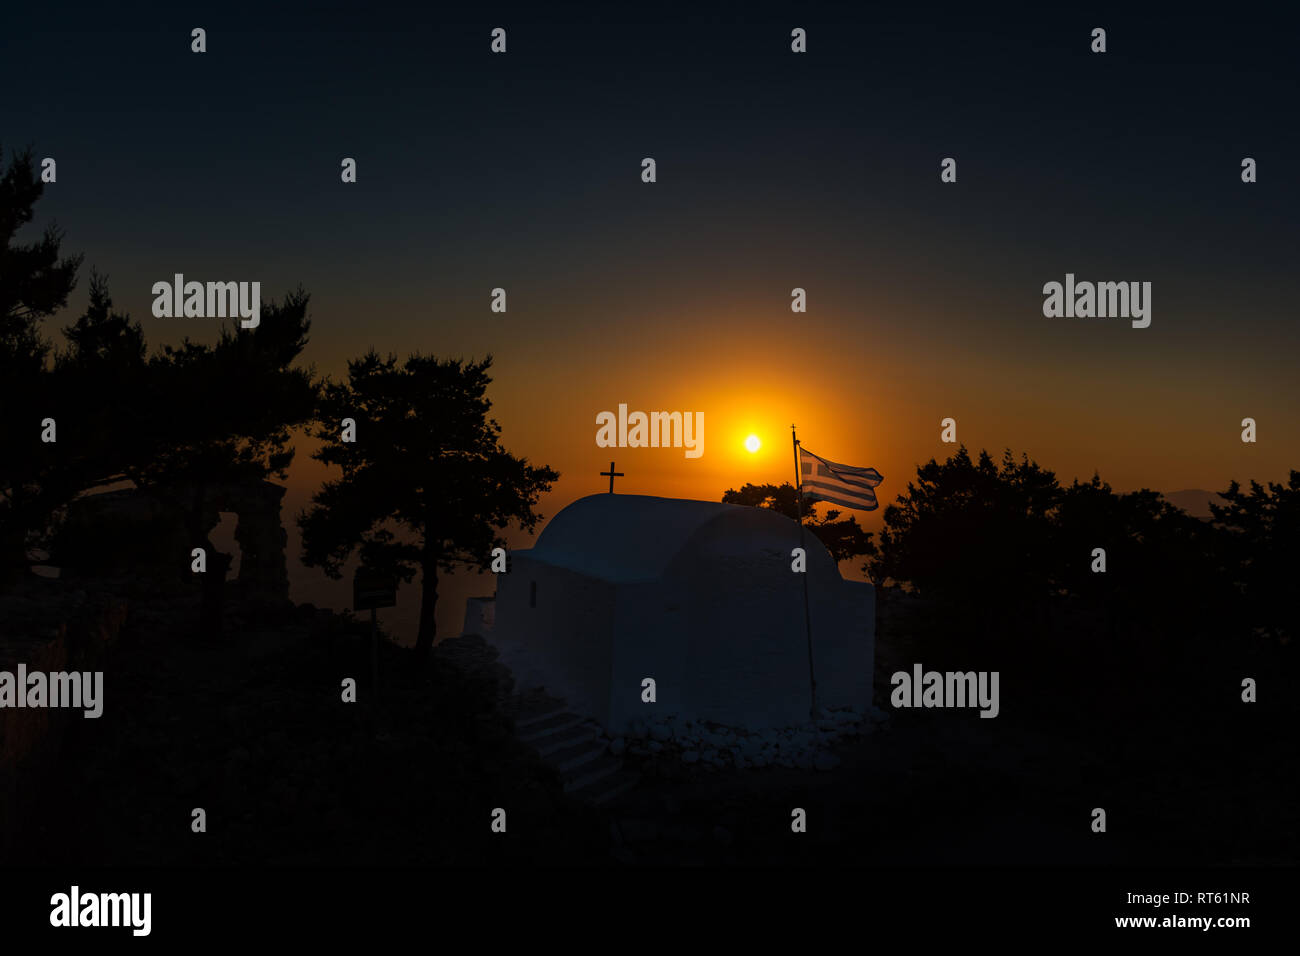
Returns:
point(775, 170)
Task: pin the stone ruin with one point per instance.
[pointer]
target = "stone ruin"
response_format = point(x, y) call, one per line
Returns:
point(133, 532)
point(49, 627)
point(261, 537)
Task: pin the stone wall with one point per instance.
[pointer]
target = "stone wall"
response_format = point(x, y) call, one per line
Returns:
point(128, 531)
point(261, 536)
point(47, 627)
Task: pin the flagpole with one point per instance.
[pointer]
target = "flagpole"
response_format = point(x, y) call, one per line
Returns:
point(807, 615)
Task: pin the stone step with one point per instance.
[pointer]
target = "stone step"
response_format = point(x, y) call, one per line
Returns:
point(571, 758)
point(606, 790)
point(592, 772)
point(563, 739)
point(536, 715)
point(548, 726)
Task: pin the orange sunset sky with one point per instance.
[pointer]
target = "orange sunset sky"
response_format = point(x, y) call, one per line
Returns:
point(774, 171)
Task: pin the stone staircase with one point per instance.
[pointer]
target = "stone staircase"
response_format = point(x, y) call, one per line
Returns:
point(577, 748)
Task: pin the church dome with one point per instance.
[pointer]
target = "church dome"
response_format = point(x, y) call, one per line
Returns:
point(627, 538)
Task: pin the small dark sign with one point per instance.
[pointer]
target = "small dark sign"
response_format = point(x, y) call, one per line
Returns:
point(373, 589)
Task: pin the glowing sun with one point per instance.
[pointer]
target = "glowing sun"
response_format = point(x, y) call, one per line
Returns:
point(752, 444)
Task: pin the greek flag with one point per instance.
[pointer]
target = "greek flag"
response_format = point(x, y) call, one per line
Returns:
point(843, 485)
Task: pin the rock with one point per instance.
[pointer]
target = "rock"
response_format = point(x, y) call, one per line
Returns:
point(655, 747)
point(825, 761)
point(683, 833)
point(639, 831)
point(690, 756)
point(722, 836)
point(617, 746)
point(661, 732)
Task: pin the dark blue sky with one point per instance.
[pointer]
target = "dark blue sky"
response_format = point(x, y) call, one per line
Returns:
point(469, 161)
point(775, 170)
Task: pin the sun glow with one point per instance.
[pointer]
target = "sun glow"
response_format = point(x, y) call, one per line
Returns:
point(752, 444)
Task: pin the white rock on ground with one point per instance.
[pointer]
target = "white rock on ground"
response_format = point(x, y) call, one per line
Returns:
point(721, 747)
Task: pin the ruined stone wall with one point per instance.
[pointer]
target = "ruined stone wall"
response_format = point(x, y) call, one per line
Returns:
point(48, 627)
point(127, 531)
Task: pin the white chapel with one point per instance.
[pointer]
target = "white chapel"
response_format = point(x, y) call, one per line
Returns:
point(698, 595)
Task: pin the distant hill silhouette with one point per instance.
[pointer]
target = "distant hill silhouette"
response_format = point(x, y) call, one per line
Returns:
point(1195, 501)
